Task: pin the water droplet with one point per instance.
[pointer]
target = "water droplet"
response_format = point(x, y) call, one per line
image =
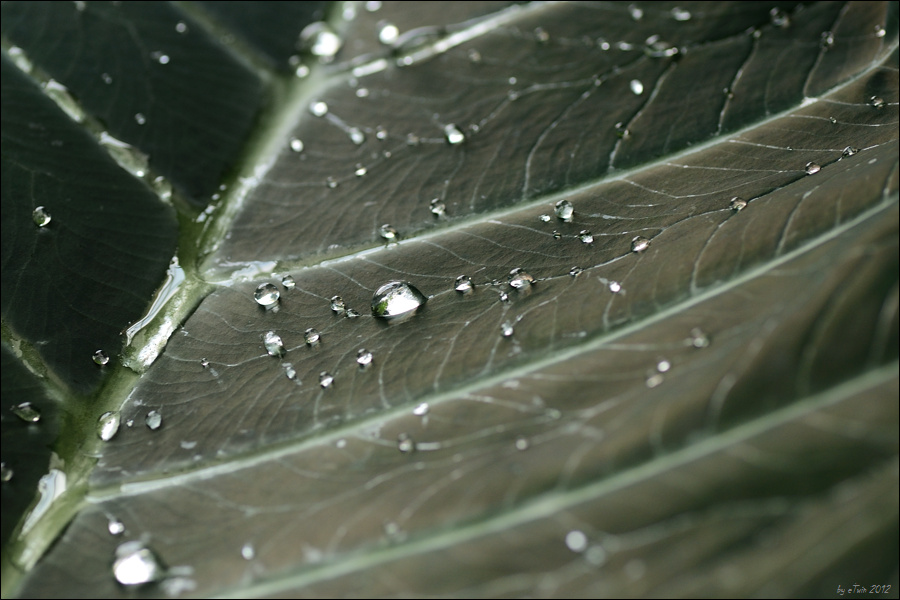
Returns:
point(320, 40)
point(108, 425)
point(325, 379)
point(556, 235)
point(453, 134)
point(115, 527)
point(362, 93)
point(738, 204)
point(438, 208)
point(615, 287)
point(301, 71)
point(6, 472)
point(636, 12)
point(576, 541)
point(655, 47)
point(585, 236)
point(575, 271)
point(833, 120)
point(204, 362)
point(107, 78)
point(296, 144)
point(663, 366)
point(637, 88)
point(827, 40)
point(779, 18)
point(360, 170)
point(545, 218)
point(474, 55)
point(364, 357)
point(564, 210)
point(405, 443)
point(136, 564)
point(877, 101)
point(266, 294)
point(318, 108)
point(681, 14)
point(463, 284)
point(812, 168)
point(381, 133)
point(387, 232)
point(522, 444)
point(331, 182)
point(388, 34)
point(356, 135)
point(698, 338)
point(396, 298)
point(27, 412)
point(311, 337)
point(139, 118)
point(289, 371)
point(247, 551)
point(639, 243)
point(879, 31)
point(40, 216)
point(421, 410)
point(161, 58)
point(181, 27)
point(850, 151)
point(622, 131)
point(541, 36)
point(288, 282)
point(100, 357)
point(504, 297)
point(337, 304)
point(274, 345)
point(519, 279)
point(153, 420)
point(351, 313)
point(507, 329)
point(373, 5)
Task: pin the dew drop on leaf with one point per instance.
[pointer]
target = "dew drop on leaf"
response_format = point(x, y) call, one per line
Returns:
point(108, 425)
point(405, 443)
point(877, 101)
point(140, 119)
point(40, 216)
point(356, 135)
point(288, 282)
point(153, 420)
point(522, 444)
point(663, 366)
point(325, 379)
point(654, 380)
point(274, 345)
point(6, 472)
point(453, 134)
point(318, 108)
point(364, 358)
point(360, 170)
point(812, 168)
point(27, 412)
point(388, 233)
point(388, 33)
point(311, 337)
point(681, 14)
point(181, 27)
point(519, 279)
point(576, 541)
point(639, 244)
point(421, 410)
point(437, 207)
point(545, 218)
point(289, 371)
point(779, 18)
point(266, 295)
point(506, 329)
point(564, 210)
point(585, 236)
point(463, 284)
point(337, 305)
point(850, 151)
point(396, 298)
point(827, 40)
point(615, 287)
point(636, 12)
point(556, 235)
point(698, 338)
point(320, 40)
point(296, 145)
point(575, 271)
point(115, 526)
point(637, 88)
point(247, 551)
point(381, 133)
point(204, 362)
point(136, 564)
point(99, 357)
point(738, 204)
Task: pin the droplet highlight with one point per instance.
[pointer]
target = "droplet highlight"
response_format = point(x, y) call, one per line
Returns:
point(585, 236)
point(288, 282)
point(405, 443)
point(136, 564)
point(437, 207)
point(507, 329)
point(387, 232)
point(296, 145)
point(115, 527)
point(421, 410)
point(396, 298)
point(576, 541)
point(637, 88)
point(320, 40)
point(876, 101)
point(27, 412)
point(318, 108)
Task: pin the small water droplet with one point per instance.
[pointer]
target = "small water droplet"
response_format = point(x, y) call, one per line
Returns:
point(311, 337)
point(381, 133)
point(288, 282)
point(388, 233)
point(6, 472)
point(877, 101)
point(564, 210)
point(396, 298)
point(100, 357)
point(266, 295)
point(504, 297)
point(405, 443)
point(654, 380)
point(360, 170)
point(318, 108)
point(663, 366)
point(139, 118)
point(474, 55)
point(331, 182)
point(107, 78)
point(421, 410)
point(698, 338)
point(325, 379)
point(108, 425)
point(301, 72)
point(247, 551)
point(519, 279)
point(373, 5)
point(115, 527)
point(453, 134)
point(827, 40)
point(337, 305)
point(681, 14)
point(833, 120)
point(615, 287)
point(779, 18)
point(289, 371)
point(27, 412)
point(576, 541)
point(181, 27)
point(356, 135)
point(274, 345)
point(639, 243)
point(879, 31)
point(622, 131)
point(296, 144)
point(655, 47)
point(850, 151)
point(812, 168)
point(136, 564)
point(575, 271)
point(545, 218)
point(364, 358)
point(507, 329)
point(738, 204)
point(522, 444)
point(362, 93)
point(541, 36)
point(636, 12)
point(463, 284)
point(585, 236)
point(388, 33)
point(40, 216)
point(351, 313)
point(153, 420)
point(320, 40)
point(637, 88)
point(438, 208)
point(204, 362)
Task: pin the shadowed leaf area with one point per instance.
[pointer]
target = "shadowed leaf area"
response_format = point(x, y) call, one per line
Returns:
point(648, 344)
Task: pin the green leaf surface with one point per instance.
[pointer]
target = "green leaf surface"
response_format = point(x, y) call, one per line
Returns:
point(695, 394)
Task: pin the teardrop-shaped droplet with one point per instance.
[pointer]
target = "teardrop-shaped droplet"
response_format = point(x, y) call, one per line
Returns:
point(266, 294)
point(27, 412)
point(40, 216)
point(585, 236)
point(453, 134)
point(812, 168)
point(637, 88)
point(100, 357)
point(421, 410)
point(153, 420)
point(364, 357)
point(320, 40)
point(337, 305)
point(738, 204)
point(564, 210)
point(396, 298)
point(108, 425)
point(388, 233)
point(274, 345)
point(325, 379)
point(639, 244)
point(507, 329)
point(136, 564)
point(115, 526)
point(438, 208)
point(519, 279)
point(288, 282)
point(463, 284)
point(877, 101)
point(405, 443)
point(311, 337)
point(296, 145)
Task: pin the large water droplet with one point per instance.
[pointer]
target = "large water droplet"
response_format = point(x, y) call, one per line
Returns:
point(453, 134)
point(27, 412)
point(266, 295)
point(274, 345)
point(438, 208)
point(576, 541)
point(136, 564)
point(388, 233)
point(40, 216)
point(311, 337)
point(320, 40)
point(396, 298)
point(99, 357)
point(507, 329)
point(585, 236)
point(360, 170)
point(296, 144)
point(325, 379)
point(405, 443)
point(115, 526)
point(288, 282)
point(153, 420)
point(519, 279)
point(364, 358)
point(738, 204)
point(637, 88)
point(639, 244)
point(463, 284)
point(564, 210)
point(812, 168)
point(337, 305)
point(108, 425)
point(544, 218)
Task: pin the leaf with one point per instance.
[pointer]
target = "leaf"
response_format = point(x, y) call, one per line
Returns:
point(696, 395)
